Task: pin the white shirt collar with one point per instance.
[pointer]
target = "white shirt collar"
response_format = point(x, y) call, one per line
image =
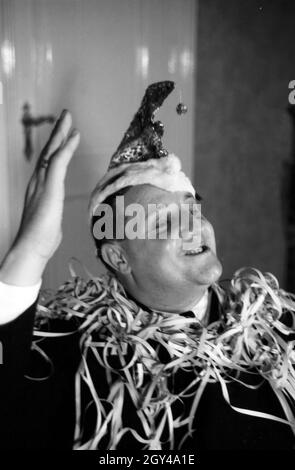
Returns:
point(201, 306)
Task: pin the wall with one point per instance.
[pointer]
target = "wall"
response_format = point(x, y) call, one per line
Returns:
point(246, 53)
point(94, 57)
point(4, 178)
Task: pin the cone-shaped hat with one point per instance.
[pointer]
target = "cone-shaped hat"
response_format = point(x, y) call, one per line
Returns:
point(142, 140)
point(141, 157)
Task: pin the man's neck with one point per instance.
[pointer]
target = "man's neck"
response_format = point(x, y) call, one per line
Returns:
point(199, 308)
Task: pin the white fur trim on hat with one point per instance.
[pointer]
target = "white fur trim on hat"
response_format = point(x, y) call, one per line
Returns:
point(164, 173)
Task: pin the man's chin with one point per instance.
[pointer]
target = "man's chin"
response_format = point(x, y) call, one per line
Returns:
point(209, 272)
point(216, 272)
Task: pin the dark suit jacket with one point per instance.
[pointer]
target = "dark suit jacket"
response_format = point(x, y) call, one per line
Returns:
point(40, 414)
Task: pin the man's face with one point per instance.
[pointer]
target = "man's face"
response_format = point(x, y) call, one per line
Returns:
point(164, 264)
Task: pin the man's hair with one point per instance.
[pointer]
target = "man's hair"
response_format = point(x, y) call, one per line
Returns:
point(111, 201)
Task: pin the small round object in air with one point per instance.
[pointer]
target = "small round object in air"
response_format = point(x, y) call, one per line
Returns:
point(181, 108)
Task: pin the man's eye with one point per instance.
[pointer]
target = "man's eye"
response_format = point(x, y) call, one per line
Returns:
point(195, 209)
point(163, 226)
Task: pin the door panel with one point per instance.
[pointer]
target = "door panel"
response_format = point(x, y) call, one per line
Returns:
point(94, 57)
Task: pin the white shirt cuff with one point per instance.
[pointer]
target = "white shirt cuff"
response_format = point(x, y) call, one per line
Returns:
point(15, 300)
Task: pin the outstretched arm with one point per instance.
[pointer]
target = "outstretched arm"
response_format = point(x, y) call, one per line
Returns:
point(40, 231)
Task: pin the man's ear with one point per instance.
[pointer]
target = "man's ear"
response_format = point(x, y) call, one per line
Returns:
point(114, 256)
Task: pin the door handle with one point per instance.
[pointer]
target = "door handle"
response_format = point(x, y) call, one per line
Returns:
point(28, 122)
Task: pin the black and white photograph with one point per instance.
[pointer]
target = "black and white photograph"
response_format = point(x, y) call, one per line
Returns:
point(147, 228)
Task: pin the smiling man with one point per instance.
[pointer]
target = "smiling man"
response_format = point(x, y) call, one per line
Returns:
point(154, 355)
point(168, 272)
point(164, 272)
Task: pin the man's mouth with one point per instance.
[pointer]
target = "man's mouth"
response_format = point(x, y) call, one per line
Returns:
point(197, 251)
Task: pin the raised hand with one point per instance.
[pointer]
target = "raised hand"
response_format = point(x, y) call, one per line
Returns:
point(40, 231)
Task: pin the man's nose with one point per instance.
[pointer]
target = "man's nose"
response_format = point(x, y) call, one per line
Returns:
point(206, 226)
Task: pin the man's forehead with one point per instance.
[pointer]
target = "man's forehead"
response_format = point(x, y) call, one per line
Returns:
point(147, 194)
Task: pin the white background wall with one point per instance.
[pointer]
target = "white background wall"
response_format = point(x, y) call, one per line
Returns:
point(94, 57)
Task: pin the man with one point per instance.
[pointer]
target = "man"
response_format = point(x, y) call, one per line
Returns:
point(157, 370)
